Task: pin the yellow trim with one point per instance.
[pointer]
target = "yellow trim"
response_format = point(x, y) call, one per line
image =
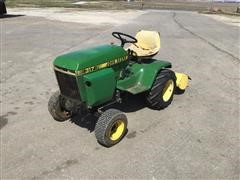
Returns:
point(101, 66)
point(65, 72)
point(182, 80)
point(93, 68)
point(117, 130)
point(168, 90)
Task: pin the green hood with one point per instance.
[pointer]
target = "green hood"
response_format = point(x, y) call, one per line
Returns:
point(85, 58)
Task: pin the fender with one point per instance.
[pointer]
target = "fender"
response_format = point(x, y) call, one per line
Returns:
point(141, 76)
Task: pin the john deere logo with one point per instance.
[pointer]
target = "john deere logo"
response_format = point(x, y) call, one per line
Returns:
point(101, 66)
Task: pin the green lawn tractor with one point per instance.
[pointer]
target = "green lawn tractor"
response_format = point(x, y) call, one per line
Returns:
point(91, 79)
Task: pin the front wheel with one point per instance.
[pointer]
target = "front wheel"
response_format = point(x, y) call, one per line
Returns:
point(111, 127)
point(161, 93)
point(55, 108)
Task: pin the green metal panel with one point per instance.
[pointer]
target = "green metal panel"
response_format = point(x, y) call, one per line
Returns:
point(99, 86)
point(83, 59)
point(142, 76)
point(82, 88)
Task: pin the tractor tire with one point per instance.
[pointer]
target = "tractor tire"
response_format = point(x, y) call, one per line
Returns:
point(163, 88)
point(111, 127)
point(55, 108)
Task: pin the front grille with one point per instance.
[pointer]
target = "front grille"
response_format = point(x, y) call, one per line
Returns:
point(68, 85)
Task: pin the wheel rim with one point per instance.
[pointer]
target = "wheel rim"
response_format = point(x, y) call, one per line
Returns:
point(168, 90)
point(116, 130)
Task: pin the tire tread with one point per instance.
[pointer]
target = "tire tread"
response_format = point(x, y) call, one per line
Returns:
point(102, 124)
point(153, 96)
point(55, 109)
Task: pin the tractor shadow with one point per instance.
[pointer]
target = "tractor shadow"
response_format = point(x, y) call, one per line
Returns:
point(10, 15)
point(131, 103)
point(87, 121)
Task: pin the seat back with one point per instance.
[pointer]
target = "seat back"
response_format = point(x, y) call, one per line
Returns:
point(148, 44)
point(148, 40)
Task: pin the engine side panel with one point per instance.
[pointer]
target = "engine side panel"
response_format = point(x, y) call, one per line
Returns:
point(99, 86)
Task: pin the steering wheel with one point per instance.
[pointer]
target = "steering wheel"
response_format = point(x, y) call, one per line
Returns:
point(124, 38)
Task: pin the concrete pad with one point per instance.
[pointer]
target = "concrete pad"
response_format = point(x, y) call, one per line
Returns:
point(96, 17)
point(197, 136)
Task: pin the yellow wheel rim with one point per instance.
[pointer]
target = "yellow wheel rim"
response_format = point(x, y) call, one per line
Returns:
point(117, 130)
point(168, 90)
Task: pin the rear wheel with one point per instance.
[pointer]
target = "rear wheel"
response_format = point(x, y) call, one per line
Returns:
point(161, 93)
point(55, 108)
point(111, 127)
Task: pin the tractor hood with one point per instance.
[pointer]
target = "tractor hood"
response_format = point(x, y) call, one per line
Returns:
point(92, 58)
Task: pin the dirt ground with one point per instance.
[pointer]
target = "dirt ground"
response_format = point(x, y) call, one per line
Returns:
point(187, 5)
point(101, 17)
point(230, 20)
point(196, 137)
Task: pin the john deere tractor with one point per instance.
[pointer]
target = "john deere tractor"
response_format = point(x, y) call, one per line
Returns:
point(91, 79)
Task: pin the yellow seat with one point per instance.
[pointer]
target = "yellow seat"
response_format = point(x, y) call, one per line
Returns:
point(148, 43)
